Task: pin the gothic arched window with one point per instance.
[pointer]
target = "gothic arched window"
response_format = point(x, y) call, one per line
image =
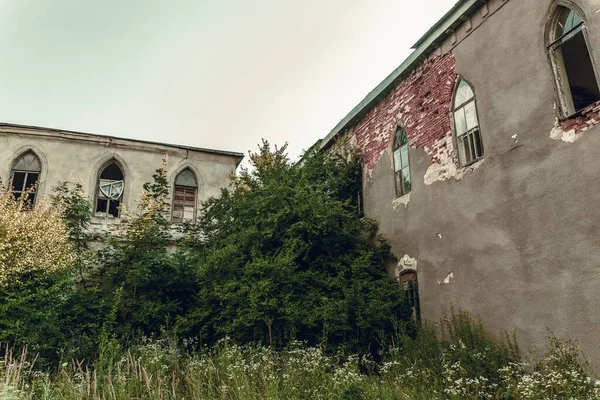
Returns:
point(466, 124)
point(24, 176)
point(571, 60)
point(410, 284)
point(110, 191)
point(184, 197)
point(401, 163)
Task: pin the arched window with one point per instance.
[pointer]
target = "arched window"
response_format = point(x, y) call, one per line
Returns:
point(184, 199)
point(466, 124)
point(110, 191)
point(401, 164)
point(24, 175)
point(572, 64)
point(410, 284)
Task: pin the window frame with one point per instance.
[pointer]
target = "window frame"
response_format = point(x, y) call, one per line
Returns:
point(455, 135)
point(174, 203)
point(24, 186)
point(411, 290)
point(397, 145)
point(100, 196)
point(566, 108)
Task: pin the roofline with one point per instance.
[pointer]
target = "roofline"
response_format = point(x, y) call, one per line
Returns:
point(422, 48)
point(91, 135)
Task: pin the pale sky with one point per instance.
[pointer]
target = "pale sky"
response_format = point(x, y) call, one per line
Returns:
point(217, 74)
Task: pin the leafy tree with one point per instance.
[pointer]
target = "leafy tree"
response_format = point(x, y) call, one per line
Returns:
point(138, 274)
point(284, 256)
point(36, 260)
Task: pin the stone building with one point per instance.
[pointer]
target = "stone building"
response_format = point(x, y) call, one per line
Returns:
point(111, 169)
point(480, 158)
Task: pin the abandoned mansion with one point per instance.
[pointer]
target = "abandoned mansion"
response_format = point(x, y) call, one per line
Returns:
point(481, 165)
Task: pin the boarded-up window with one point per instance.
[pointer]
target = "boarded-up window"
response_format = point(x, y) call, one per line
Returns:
point(184, 197)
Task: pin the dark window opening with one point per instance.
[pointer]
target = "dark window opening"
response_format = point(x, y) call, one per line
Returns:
point(25, 176)
point(410, 284)
point(576, 77)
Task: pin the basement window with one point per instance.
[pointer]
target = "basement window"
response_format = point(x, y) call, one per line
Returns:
point(110, 191)
point(466, 124)
point(401, 163)
point(572, 63)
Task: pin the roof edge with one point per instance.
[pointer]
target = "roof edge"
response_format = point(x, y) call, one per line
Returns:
point(439, 31)
point(91, 135)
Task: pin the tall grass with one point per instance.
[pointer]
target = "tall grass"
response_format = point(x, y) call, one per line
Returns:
point(460, 361)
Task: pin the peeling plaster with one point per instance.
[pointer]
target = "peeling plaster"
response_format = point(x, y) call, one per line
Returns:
point(447, 279)
point(446, 168)
point(404, 200)
point(558, 133)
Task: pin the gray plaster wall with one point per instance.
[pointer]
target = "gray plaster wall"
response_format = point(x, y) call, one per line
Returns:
point(519, 234)
point(67, 156)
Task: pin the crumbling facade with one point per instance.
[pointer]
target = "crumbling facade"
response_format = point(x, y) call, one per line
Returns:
point(112, 170)
point(498, 210)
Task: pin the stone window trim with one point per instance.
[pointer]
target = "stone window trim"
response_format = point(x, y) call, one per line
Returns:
point(566, 108)
point(185, 197)
point(100, 195)
point(26, 171)
point(463, 163)
point(401, 165)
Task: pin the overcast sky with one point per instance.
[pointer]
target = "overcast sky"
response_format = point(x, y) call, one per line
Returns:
point(208, 73)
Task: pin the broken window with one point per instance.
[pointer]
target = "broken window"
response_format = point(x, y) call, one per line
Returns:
point(110, 191)
point(401, 164)
point(571, 61)
point(25, 175)
point(184, 197)
point(466, 125)
point(410, 284)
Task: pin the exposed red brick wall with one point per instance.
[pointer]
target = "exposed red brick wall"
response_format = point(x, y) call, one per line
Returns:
point(420, 102)
point(590, 116)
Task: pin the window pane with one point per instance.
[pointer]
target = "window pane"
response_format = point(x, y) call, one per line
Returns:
point(18, 181)
point(188, 213)
point(471, 115)
point(478, 144)
point(463, 94)
point(32, 178)
point(31, 198)
point(404, 155)
point(460, 122)
point(398, 183)
point(463, 149)
point(406, 184)
point(112, 172)
point(101, 205)
point(113, 207)
point(397, 160)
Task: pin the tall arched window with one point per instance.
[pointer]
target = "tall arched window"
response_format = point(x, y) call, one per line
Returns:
point(110, 191)
point(410, 284)
point(466, 124)
point(24, 175)
point(184, 198)
point(572, 63)
point(401, 163)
